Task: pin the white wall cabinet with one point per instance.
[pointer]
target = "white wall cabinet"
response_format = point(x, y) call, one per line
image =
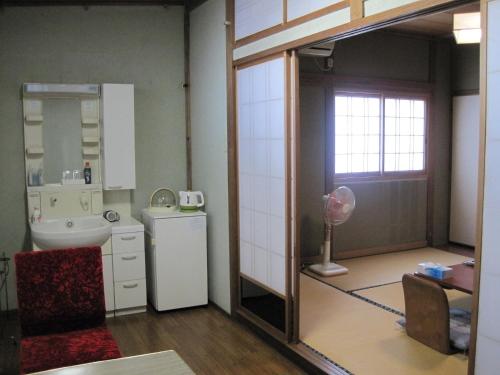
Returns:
point(118, 136)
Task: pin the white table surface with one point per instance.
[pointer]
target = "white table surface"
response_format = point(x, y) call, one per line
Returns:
point(160, 363)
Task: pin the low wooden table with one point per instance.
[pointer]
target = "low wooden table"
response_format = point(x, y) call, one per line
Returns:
point(462, 279)
point(161, 363)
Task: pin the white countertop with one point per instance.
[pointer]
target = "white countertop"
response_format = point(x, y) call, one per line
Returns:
point(127, 224)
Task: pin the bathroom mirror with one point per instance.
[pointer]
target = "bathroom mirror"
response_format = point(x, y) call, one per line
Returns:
point(62, 137)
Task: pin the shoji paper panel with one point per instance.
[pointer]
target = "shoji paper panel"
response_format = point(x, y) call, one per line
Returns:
point(379, 6)
point(261, 158)
point(299, 8)
point(252, 16)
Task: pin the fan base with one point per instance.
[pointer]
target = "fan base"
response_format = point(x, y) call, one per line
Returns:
point(328, 269)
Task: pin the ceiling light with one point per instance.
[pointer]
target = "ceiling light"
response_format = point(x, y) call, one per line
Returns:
point(467, 27)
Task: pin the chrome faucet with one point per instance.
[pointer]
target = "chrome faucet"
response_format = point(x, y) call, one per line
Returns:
point(69, 223)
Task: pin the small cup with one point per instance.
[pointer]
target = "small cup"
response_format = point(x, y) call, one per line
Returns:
point(77, 174)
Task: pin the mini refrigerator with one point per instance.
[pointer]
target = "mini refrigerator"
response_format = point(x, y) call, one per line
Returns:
point(176, 259)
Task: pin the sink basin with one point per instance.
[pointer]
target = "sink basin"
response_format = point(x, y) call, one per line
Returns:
point(71, 232)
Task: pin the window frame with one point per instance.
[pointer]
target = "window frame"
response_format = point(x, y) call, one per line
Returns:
point(399, 90)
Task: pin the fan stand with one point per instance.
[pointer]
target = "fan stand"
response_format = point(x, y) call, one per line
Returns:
point(328, 268)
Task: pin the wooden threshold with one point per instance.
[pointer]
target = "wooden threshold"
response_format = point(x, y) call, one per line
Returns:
point(380, 250)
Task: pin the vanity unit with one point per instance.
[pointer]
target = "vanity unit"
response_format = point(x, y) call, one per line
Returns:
point(67, 127)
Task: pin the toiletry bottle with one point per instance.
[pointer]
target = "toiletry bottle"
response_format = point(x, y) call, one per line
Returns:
point(87, 173)
point(40, 176)
point(34, 178)
point(30, 176)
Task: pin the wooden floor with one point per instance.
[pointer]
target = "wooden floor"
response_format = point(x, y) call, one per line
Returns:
point(208, 341)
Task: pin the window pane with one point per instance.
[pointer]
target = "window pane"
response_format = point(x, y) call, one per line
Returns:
point(374, 107)
point(390, 162)
point(404, 162)
point(358, 144)
point(358, 125)
point(390, 126)
point(374, 126)
point(341, 127)
point(341, 164)
point(358, 106)
point(341, 144)
point(418, 162)
point(418, 144)
point(341, 106)
point(390, 108)
point(373, 144)
point(404, 108)
point(418, 127)
point(418, 108)
point(357, 134)
point(404, 139)
point(357, 163)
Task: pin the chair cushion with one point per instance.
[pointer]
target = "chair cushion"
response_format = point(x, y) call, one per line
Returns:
point(39, 353)
point(60, 290)
point(460, 321)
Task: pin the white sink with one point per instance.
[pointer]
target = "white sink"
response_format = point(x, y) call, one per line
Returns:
point(71, 232)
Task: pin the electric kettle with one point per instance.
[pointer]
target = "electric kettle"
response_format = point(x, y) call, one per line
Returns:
point(191, 200)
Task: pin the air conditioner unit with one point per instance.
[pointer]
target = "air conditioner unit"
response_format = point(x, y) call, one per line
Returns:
point(321, 50)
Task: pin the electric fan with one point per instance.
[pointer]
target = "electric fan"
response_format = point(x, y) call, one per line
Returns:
point(338, 208)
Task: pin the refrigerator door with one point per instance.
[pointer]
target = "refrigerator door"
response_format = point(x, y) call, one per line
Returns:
point(181, 262)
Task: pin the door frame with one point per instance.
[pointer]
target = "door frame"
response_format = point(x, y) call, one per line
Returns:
point(357, 26)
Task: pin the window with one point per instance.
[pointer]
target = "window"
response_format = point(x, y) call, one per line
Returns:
point(378, 134)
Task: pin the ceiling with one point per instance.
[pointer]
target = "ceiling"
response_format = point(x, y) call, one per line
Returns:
point(438, 24)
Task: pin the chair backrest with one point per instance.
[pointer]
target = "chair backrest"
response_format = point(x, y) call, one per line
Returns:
point(59, 290)
point(427, 313)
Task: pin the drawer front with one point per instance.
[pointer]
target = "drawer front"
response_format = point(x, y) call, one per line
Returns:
point(130, 294)
point(128, 242)
point(129, 266)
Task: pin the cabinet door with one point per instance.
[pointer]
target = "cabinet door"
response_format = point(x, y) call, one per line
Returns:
point(118, 154)
point(181, 262)
point(109, 290)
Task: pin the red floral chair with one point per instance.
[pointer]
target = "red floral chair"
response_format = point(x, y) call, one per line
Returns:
point(61, 309)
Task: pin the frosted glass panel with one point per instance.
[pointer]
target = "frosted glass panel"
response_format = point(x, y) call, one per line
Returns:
point(252, 16)
point(261, 165)
point(299, 8)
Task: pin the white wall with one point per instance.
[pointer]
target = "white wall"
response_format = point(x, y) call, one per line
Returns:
point(488, 340)
point(209, 137)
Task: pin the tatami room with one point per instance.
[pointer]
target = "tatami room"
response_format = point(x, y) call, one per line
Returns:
point(393, 116)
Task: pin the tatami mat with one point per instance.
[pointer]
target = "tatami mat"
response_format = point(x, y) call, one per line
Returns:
point(388, 268)
point(364, 338)
point(392, 296)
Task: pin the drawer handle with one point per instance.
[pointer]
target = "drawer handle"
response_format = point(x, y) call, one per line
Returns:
point(116, 187)
point(129, 238)
point(132, 257)
point(130, 286)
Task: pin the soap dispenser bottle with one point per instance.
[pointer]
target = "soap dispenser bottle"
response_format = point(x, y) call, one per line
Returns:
point(87, 173)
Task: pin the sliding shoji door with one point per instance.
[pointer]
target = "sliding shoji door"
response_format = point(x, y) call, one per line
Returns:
point(263, 192)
